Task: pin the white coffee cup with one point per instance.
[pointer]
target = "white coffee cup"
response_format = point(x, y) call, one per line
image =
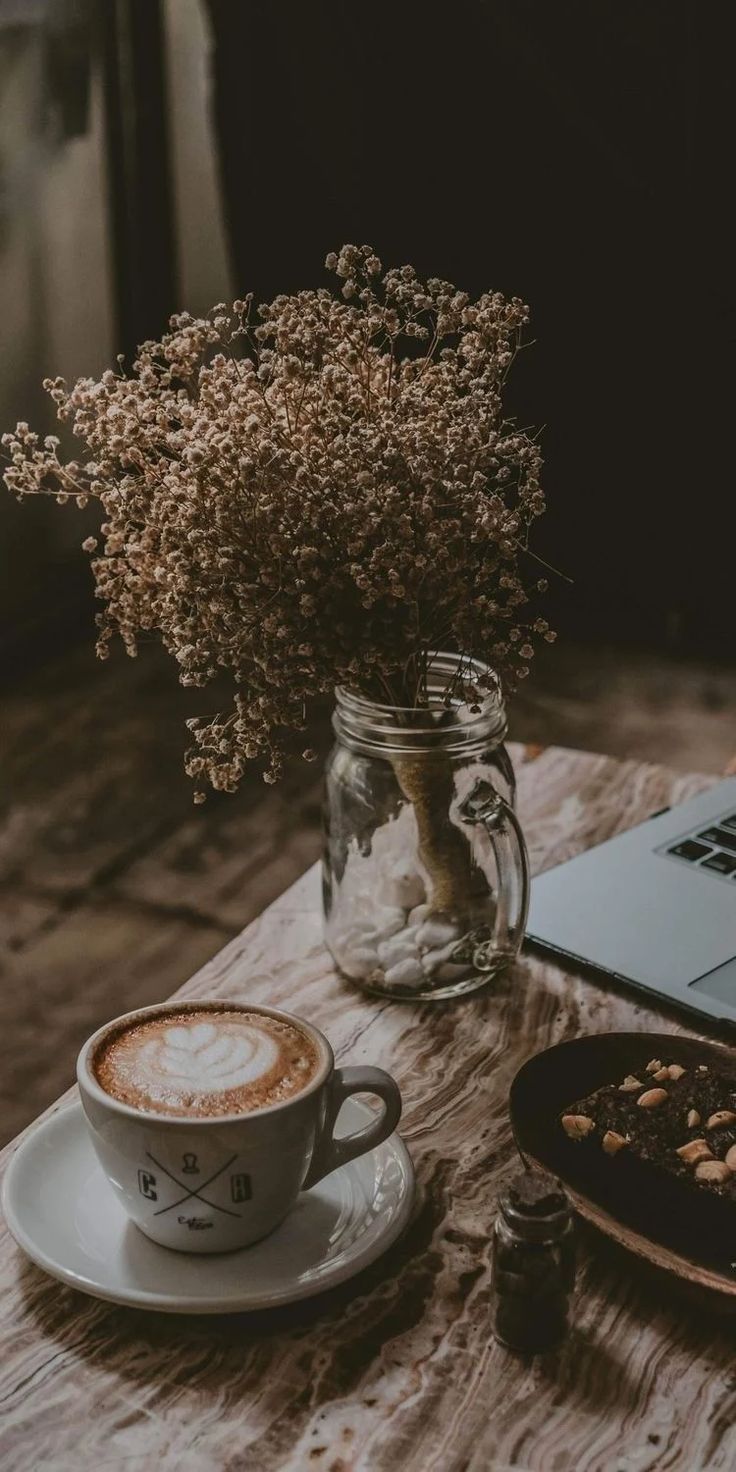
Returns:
point(214, 1184)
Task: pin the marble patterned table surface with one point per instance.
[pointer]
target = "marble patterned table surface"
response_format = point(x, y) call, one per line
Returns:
point(397, 1370)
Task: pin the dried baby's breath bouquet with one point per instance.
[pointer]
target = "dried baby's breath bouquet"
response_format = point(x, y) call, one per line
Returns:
point(317, 493)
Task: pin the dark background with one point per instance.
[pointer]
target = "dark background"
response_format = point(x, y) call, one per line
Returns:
point(574, 154)
point(579, 155)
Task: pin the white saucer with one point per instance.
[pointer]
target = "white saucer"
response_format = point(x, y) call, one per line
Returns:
point(76, 1231)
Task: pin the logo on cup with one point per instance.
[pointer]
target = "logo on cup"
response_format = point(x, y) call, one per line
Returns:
point(146, 1184)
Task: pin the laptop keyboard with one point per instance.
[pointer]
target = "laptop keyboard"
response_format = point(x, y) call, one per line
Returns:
point(712, 848)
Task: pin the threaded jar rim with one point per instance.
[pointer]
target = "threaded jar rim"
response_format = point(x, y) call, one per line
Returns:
point(447, 724)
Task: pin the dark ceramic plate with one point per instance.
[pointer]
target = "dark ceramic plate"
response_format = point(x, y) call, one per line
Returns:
point(688, 1231)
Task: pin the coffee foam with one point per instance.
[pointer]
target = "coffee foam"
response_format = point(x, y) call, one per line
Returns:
point(205, 1062)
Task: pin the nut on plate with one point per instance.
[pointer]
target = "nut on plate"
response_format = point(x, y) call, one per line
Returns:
point(676, 1071)
point(731, 1158)
point(654, 1065)
point(630, 1085)
point(612, 1142)
point(721, 1117)
point(713, 1170)
point(661, 1075)
point(652, 1098)
point(693, 1119)
point(695, 1151)
point(577, 1126)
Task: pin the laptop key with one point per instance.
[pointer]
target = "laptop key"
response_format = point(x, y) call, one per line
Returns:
point(730, 822)
point(721, 836)
point(690, 850)
point(721, 863)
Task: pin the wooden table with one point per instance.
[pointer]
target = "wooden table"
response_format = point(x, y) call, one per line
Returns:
point(397, 1370)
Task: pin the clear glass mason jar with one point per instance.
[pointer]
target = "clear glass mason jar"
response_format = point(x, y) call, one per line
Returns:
point(425, 873)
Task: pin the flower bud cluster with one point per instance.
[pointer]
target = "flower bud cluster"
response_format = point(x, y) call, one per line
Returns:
point(316, 492)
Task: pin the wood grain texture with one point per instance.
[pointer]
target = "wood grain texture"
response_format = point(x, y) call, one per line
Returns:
point(397, 1369)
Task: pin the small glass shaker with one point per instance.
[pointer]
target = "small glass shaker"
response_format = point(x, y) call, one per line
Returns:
point(533, 1263)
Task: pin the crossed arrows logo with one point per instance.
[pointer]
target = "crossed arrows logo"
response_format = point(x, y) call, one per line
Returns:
point(195, 1193)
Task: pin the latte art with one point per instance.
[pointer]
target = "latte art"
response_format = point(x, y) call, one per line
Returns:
point(207, 1057)
point(206, 1062)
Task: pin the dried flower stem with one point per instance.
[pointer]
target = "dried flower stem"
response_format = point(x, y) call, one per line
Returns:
point(426, 781)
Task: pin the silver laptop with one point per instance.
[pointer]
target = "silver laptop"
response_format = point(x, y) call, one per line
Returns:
point(655, 906)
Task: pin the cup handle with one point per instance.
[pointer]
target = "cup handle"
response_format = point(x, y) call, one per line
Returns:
point(330, 1153)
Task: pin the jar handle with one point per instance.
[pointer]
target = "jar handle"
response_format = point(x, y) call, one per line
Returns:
point(485, 805)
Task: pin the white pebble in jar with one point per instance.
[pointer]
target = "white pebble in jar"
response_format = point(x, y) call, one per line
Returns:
point(405, 973)
point(361, 961)
point(398, 948)
point(436, 933)
point(431, 960)
point(388, 919)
